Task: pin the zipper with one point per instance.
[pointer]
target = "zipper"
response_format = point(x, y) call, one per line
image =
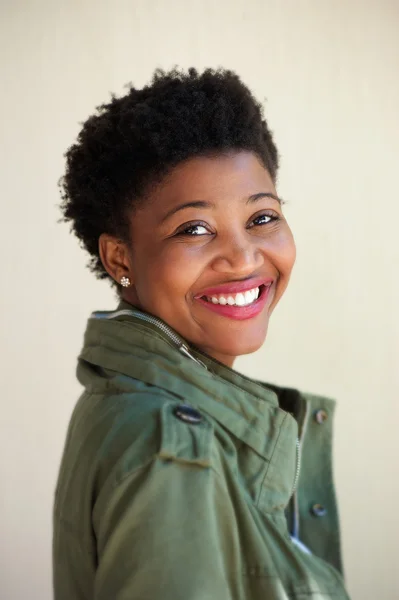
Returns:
point(294, 496)
point(298, 466)
point(177, 341)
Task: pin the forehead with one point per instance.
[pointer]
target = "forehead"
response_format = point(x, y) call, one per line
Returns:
point(237, 174)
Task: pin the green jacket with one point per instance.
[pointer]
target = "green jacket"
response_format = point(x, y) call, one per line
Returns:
point(181, 478)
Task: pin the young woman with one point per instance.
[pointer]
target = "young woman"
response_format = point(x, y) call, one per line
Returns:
point(181, 479)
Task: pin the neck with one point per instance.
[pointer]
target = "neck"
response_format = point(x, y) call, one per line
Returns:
point(225, 359)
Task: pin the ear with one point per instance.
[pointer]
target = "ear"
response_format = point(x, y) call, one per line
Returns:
point(115, 258)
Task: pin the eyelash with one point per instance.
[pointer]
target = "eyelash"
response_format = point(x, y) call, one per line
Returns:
point(272, 216)
point(183, 232)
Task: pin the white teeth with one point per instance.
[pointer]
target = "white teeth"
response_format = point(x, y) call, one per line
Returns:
point(240, 299)
point(249, 297)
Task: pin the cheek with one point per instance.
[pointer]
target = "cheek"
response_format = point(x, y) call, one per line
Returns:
point(166, 274)
point(284, 252)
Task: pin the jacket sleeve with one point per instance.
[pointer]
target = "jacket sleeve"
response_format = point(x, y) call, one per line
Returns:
point(168, 533)
point(165, 527)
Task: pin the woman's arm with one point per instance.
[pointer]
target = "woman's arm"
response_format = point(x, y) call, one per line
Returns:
point(167, 533)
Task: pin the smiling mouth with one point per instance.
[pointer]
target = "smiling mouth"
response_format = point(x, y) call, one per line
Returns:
point(241, 299)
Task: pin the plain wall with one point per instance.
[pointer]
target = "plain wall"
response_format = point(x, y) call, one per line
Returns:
point(328, 72)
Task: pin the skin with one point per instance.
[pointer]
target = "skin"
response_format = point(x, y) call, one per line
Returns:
point(227, 242)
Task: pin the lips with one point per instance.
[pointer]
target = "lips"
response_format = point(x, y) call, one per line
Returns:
point(235, 312)
point(236, 287)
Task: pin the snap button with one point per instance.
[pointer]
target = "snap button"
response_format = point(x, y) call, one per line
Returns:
point(318, 510)
point(320, 416)
point(187, 413)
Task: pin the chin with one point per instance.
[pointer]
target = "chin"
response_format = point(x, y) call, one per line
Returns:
point(241, 350)
point(238, 348)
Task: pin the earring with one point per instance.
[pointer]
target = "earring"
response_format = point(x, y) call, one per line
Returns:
point(125, 282)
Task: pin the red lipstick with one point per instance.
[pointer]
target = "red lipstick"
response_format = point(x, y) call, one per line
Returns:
point(235, 287)
point(239, 313)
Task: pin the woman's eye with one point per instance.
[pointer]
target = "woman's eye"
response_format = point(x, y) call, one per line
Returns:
point(263, 220)
point(194, 230)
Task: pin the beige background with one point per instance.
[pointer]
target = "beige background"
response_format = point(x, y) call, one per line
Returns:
point(330, 73)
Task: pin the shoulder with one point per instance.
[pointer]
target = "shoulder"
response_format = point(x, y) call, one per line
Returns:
point(118, 433)
point(116, 440)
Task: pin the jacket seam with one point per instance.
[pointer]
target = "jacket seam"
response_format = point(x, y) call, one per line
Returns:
point(153, 458)
point(270, 461)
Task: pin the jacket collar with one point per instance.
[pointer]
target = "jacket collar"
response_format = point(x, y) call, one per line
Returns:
point(222, 372)
point(130, 347)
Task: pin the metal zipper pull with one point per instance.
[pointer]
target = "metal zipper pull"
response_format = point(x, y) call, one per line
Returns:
point(184, 350)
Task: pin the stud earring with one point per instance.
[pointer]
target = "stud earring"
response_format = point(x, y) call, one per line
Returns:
point(125, 282)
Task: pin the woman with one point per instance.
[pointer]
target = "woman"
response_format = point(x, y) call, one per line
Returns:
point(180, 477)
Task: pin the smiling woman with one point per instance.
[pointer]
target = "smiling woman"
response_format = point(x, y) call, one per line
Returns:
point(185, 253)
point(180, 477)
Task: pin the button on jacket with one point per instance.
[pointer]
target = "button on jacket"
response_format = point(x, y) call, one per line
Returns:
point(183, 480)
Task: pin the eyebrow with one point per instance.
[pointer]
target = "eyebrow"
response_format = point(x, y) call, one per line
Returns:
point(205, 204)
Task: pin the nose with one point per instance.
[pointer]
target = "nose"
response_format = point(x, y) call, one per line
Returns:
point(238, 256)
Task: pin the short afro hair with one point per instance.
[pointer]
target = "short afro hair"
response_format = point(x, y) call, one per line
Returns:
point(132, 142)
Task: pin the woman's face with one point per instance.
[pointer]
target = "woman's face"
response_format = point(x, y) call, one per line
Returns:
point(212, 253)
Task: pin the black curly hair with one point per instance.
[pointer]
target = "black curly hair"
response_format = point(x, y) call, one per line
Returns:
point(132, 142)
